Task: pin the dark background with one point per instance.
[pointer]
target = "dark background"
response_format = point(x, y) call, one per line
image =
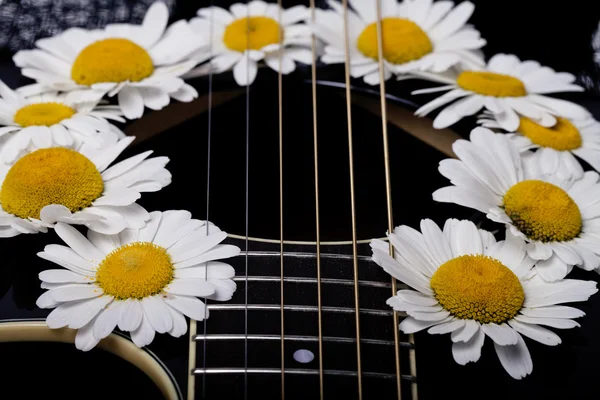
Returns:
point(558, 36)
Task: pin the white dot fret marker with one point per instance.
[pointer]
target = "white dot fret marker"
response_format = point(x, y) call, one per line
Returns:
point(303, 356)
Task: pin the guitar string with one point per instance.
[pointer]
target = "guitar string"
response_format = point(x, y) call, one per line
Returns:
point(247, 200)
point(352, 202)
point(208, 146)
point(317, 221)
point(388, 187)
point(191, 392)
point(280, 113)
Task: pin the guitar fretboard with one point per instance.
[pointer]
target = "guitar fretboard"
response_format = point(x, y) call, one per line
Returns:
point(239, 355)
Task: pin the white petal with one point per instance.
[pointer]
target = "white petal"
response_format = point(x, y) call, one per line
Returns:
point(539, 251)
point(447, 327)
point(144, 334)
point(78, 243)
point(552, 269)
point(87, 311)
point(218, 252)
point(67, 258)
point(157, 313)
point(131, 315)
point(412, 325)
point(85, 339)
point(563, 291)
point(190, 287)
point(501, 334)
point(76, 292)
point(104, 243)
point(179, 323)
point(131, 102)
point(558, 323)
point(553, 312)
point(154, 24)
point(536, 333)
point(106, 322)
point(465, 352)
point(245, 71)
point(189, 306)
point(198, 248)
point(224, 290)
point(148, 232)
point(515, 359)
point(417, 298)
point(466, 239)
point(63, 276)
point(464, 335)
point(453, 21)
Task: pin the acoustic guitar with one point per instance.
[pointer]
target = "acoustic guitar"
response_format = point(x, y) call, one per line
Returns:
point(302, 171)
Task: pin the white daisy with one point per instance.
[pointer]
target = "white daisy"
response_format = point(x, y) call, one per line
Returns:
point(417, 35)
point(59, 184)
point(50, 119)
point(471, 286)
point(556, 147)
point(141, 63)
point(557, 219)
point(507, 87)
point(143, 281)
point(249, 33)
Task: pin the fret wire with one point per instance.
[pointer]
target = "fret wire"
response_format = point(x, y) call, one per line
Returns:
point(300, 371)
point(280, 112)
point(317, 220)
point(300, 308)
point(352, 204)
point(388, 187)
point(343, 282)
point(297, 338)
point(247, 206)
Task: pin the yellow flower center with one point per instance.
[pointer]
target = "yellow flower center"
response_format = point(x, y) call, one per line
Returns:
point(111, 60)
point(479, 288)
point(135, 271)
point(46, 114)
point(402, 39)
point(252, 33)
point(562, 136)
point(542, 211)
point(491, 84)
point(50, 176)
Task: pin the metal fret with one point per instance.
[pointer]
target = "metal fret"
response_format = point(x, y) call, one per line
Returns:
point(297, 338)
point(346, 282)
point(297, 371)
point(274, 307)
point(297, 254)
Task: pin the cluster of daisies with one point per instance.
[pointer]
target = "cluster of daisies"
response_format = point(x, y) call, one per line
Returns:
point(521, 169)
point(143, 272)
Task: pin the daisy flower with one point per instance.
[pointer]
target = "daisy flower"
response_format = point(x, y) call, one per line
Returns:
point(143, 281)
point(556, 219)
point(507, 87)
point(467, 284)
point(50, 119)
point(417, 35)
point(142, 64)
point(59, 184)
point(249, 33)
point(556, 147)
